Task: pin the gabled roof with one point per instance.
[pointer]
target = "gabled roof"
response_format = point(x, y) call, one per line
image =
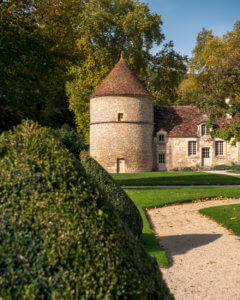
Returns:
point(182, 121)
point(121, 81)
point(177, 121)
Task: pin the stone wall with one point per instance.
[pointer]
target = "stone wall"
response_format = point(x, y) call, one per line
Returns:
point(176, 153)
point(134, 109)
point(129, 139)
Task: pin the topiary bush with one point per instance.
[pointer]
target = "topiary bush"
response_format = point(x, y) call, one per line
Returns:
point(113, 194)
point(58, 240)
point(221, 167)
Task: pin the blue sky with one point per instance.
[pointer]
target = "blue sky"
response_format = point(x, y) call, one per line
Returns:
point(183, 19)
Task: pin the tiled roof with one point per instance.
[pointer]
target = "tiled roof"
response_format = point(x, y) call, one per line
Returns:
point(177, 121)
point(121, 81)
point(182, 121)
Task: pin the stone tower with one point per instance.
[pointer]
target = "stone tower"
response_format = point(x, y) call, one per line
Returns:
point(121, 122)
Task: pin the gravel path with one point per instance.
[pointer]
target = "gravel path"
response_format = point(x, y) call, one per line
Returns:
point(205, 256)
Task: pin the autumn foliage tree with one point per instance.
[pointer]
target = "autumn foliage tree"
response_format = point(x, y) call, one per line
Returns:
point(74, 44)
point(214, 76)
point(105, 29)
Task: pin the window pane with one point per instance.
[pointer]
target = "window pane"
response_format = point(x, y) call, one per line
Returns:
point(161, 158)
point(205, 153)
point(192, 148)
point(218, 148)
point(120, 117)
point(161, 138)
point(203, 129)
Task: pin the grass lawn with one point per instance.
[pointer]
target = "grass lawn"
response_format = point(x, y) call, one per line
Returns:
point(174, 178)
point(150, 198)
point(234, 171)
point(227, 215)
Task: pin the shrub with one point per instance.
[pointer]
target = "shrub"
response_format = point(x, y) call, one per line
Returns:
point(113, 194)
point(235, 167)
point(74, 141)
point(175, 170)
point(186, 169)
point(58, 240)
point(221, 167)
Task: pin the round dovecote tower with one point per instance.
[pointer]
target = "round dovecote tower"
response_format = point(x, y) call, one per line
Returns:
point(121, 122)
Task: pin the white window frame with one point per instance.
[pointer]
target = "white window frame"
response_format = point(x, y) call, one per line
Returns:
point(204, 130)
point(192, 148)
point(219, 148)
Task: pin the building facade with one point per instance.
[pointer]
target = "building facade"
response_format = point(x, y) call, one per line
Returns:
point(128, 134)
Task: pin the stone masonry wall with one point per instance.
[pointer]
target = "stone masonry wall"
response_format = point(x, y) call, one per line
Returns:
point(129, 139)
point(134, 109)
point(176, 153)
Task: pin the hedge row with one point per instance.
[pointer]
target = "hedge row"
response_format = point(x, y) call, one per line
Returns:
point(113, 194)
point(58, 239)
point(226, 167)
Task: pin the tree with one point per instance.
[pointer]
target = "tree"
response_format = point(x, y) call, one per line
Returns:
point(166, 71)
point(105, 29)
point(214, 76)
point(82, 40)
point(33, 70)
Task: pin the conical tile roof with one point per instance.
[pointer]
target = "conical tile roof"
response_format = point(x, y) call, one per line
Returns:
point(121, 81)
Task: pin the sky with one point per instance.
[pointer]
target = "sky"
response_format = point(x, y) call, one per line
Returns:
point(184, 19)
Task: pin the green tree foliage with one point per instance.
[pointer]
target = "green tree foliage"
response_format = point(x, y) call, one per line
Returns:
point(214, 76)
point(33, 70)
point(78, 42)
point(58, 239)
point(166, 71)
point(105, 29)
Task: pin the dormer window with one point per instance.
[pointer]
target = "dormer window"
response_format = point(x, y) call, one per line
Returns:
point(161, 138)
point(120, 117)
point(204, 129)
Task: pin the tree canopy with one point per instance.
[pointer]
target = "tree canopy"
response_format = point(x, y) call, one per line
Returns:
point(53, 44)
point(214, 75)
point(33, 70)
point(105, 29)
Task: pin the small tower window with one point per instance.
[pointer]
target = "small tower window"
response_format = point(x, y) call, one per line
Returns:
point(120, 117)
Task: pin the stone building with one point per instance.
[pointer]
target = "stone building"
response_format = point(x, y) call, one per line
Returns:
point(128, 134)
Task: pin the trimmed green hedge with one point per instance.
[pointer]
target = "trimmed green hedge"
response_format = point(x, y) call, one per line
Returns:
point(58, 240)
point(113, 194)
point(222, 167)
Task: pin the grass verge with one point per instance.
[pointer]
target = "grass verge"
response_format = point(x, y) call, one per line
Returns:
point(150, 198)
point(174, 178)
point(227, 216)
point(234, 171)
